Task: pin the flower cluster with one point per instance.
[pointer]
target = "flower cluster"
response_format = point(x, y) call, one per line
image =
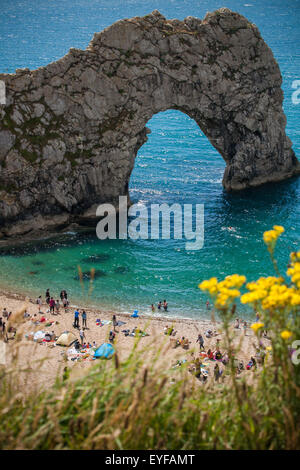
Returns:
point(275, 299)
point(294, 269)
point(271, 236)
point(223, 292)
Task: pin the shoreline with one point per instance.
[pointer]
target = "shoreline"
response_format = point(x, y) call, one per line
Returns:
point(22, 297)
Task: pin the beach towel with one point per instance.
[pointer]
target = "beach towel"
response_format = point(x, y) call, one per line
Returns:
point(39, 336)
point(105, 351)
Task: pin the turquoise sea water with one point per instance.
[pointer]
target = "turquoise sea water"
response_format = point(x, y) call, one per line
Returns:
point(177, 164)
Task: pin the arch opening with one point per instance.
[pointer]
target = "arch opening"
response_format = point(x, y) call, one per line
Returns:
point(176, 155)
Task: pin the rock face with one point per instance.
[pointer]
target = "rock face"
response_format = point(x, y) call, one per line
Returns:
point(70, 131)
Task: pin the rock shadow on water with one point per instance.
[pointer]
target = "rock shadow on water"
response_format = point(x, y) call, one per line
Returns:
point(38, 263)
point(87, 275)
point(99, 258)
point(121, 270)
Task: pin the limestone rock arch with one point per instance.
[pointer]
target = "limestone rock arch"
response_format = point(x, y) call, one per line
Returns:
point(70, 131)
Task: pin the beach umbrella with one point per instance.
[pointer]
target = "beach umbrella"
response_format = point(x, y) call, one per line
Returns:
point(105, 351)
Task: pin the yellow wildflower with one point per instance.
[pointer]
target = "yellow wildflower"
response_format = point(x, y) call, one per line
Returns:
point(271, 236)
point(286, 334)
point(256, 326)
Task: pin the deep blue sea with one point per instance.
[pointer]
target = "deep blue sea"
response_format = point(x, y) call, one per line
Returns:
point(177, 164)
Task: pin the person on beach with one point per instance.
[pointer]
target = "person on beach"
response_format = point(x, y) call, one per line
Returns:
point(82, 336)
point(217, 372)
point(3, 331)
point(57, 307)
point(112, 335)
point(5, 313)
point(237, 323)
point(65, 303)
point(39, 302)
point(159, 305)
point(52, 305)
point(207, 305)
point(254, 364)
point(245, 328)
point(200, 340)
point(218, 355)
point(210, 354)
point(165, 305)
point(84, 319)
point(26, 314)
point(152, 308)
point(76, 319)
point(47, 295)
point(114, 322)
point(208, 333)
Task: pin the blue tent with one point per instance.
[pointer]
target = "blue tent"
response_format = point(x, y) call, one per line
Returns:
point(105, 351)
point(135, 314)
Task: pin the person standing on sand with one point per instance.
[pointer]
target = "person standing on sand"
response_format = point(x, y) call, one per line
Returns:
point(114, 322)
point(39, 302)
point(200, 340)
point(84, 319)
point(52, 305)
point(217, 372)
point(47, 296)
point(82, 336)
point(65, 303)
point(76, 319)
point(57, 306)
point(112, 335)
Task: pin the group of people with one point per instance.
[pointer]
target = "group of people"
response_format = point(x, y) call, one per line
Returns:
point(54, 305)
point(241, 323)
point(161, 305)
point(83, 317)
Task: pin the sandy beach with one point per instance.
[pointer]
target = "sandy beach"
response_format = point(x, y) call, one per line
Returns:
point(44, 360)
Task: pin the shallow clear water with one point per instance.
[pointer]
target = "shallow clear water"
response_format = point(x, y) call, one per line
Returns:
point(177, 164)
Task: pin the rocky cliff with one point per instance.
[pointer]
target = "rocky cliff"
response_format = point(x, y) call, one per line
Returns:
point(70, 131)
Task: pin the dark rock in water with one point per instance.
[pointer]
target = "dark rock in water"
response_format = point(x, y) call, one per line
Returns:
point(33, 272)
point(86, 275)
point(38, 263)
point(121, 270)
point(100, 258)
